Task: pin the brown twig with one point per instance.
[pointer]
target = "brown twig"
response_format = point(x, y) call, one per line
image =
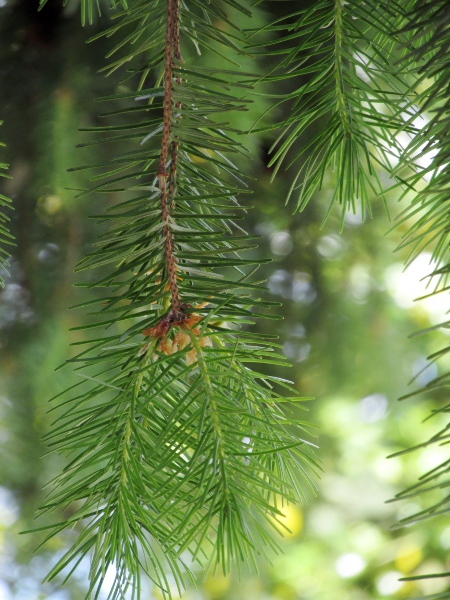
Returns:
point(172, 50)
point(175, 144)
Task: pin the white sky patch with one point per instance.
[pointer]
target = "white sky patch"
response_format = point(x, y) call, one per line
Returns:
point(405, 139)
point(406, 285)
point(9, 509)
point(108, 582)
point(432, 457)
point(362, 73)
point(367, 71)
point(5, 594)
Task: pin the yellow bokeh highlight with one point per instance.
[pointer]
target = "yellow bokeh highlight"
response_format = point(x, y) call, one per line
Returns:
point(50, 205)
point(284, 591)
point(290, 523)
point(408, 557)
point(216, 586)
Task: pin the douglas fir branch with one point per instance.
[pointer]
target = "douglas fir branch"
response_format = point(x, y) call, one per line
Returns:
point(181, 450)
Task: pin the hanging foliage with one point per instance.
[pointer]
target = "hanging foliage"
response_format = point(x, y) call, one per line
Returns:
point(180, 445)
point(181, 449)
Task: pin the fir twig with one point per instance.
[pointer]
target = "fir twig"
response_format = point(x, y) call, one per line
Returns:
point(178, 442)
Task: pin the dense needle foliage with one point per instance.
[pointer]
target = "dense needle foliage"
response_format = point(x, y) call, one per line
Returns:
point(428, 26)
point(345, 105)
point(181, 448)
point(181, 442)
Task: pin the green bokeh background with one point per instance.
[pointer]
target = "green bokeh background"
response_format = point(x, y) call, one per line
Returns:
point(347, 311)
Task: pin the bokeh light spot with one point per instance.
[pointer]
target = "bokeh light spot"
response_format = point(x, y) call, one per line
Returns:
point(350, 564)
point(389, 583)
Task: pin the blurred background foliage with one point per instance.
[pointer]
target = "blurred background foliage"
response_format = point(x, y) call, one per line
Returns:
point(348, 310)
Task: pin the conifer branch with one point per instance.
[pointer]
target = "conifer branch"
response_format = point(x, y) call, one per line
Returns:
point(344, 114)
point(342, 105)
point(178, 443)
point(427, 57)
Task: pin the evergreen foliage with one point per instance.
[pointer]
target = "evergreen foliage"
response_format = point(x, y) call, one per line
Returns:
point(376, 72)
point(180, 448)
point(182, 443)
point(428, 28)
point(344, 111)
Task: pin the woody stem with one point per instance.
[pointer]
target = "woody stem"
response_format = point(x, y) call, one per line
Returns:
point(171, 51)
point(175, 144)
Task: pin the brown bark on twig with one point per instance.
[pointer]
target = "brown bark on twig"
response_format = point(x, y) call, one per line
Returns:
point(167, 181)
point(175, 144)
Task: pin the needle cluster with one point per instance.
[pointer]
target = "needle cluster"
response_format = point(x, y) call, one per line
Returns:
point(181, 449)
point(349, 101)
